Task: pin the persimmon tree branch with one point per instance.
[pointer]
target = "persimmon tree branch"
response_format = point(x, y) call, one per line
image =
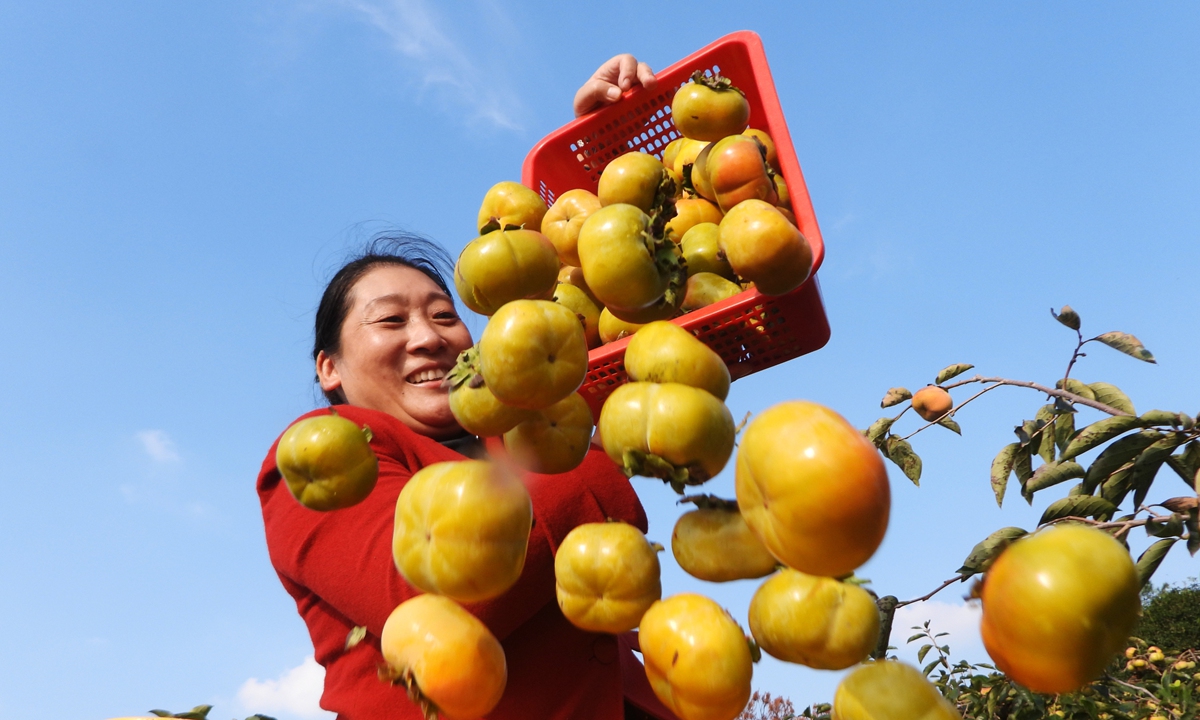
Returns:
point(935, 591)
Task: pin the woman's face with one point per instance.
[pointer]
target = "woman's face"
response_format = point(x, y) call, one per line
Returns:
point(398, 341)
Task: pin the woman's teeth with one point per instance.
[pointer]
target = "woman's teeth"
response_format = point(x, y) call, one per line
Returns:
point(426, 376)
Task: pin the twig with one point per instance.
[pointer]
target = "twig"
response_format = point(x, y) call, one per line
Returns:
point(952, 411)
point(1075, 355)
point(943, 586)
point(1132, 687)
point(1053, 392)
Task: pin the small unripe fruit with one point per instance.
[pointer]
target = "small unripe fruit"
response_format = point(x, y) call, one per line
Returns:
point(1130, 652)
point(932, 402)
point(1139, 663)
point(1156, 657)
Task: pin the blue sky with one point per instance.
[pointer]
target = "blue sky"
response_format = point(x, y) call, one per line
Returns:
point(178, 180)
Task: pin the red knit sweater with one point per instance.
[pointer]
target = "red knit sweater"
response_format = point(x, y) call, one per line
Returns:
point(338, 567)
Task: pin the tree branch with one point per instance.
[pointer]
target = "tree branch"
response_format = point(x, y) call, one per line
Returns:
point(943, 586)
point(1053, 392)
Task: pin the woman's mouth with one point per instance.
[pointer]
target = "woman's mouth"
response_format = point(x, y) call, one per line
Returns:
point(423, 377)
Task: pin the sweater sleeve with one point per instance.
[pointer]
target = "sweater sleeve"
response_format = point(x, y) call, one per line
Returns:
point(344, 557)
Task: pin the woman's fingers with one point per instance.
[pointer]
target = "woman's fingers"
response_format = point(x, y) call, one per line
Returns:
point(615, 76)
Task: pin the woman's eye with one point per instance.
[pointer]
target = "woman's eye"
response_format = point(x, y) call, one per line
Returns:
point(392, 319)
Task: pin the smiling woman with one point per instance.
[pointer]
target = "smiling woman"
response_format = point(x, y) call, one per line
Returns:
point(387, 333)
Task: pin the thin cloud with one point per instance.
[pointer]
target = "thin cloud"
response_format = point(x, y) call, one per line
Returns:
point(445, 69)
point(158, 445)
point(295, 693)
point(961, 620)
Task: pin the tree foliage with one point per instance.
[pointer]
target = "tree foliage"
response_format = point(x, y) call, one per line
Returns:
point(1171, 617)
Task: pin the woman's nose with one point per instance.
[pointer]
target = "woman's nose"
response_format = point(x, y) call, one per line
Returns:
point(424, 335)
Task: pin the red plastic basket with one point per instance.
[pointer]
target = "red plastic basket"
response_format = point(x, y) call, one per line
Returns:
point(750, 331)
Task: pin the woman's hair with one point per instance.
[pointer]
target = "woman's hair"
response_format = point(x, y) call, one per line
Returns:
point(390, 248)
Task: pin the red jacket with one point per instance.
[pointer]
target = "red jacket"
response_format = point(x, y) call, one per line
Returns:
point(338, 567)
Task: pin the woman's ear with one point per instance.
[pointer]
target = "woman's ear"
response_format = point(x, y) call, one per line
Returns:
point(327, 372)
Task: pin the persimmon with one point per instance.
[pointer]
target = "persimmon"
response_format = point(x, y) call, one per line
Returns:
point(613, 328)
point(327, 462)
point(681, 434)
point(533, 353)
point(689, 213)
point(701, 248)
point(578, 301)
point(664, 352)
point(812, 488)
point(764, 248)
point(562, 221)
point(637, 274)
point(606, 576)
point(474, 406)
point(511, 203)
point(931, 402)
point(715, 544)
point(709, 108)
point(815, 621)
point(461, 529)
point(553, 440)
point(633, 179)
point(697, 658)
point(705, 288)
point(505, 265)
point(1058, 606)
point(890, 690)
point(451, 663)
point(736, 171)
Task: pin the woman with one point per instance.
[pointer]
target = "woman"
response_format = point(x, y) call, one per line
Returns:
point(387, 332)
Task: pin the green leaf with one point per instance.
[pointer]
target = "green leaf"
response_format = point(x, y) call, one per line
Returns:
point(918, 636)
point(1072, 385)
point(951, 372)
point(923, 652)
point(1098, 433)
point(1193, 542)
point(1143, 477)
point(947, 422)
point(1127, 344)
point(1117, 455)
point(1052, 474)
point(1118, 485)
point(1161, 417)
point(1077, 506)
point(1002, 467)
point(1064, 430)
point(895, 396)
point(1152, 558)
point(1023, 465)
point(878, 430)
point(929, 668)
point(1112, 396)
point(1045, 438)
point(259, 716)
point(900, 452)
point(1157, 453)
point(200, 712)
point(1171, 527)
point(1067, 317)
point(988, 549)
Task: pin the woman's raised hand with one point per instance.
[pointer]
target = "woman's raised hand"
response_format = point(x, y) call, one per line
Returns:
point(612, 79)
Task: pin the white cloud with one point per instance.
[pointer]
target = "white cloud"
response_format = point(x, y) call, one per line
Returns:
point(295, 693)
point(444, 68)
point(961, 620)
point(158, 445)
